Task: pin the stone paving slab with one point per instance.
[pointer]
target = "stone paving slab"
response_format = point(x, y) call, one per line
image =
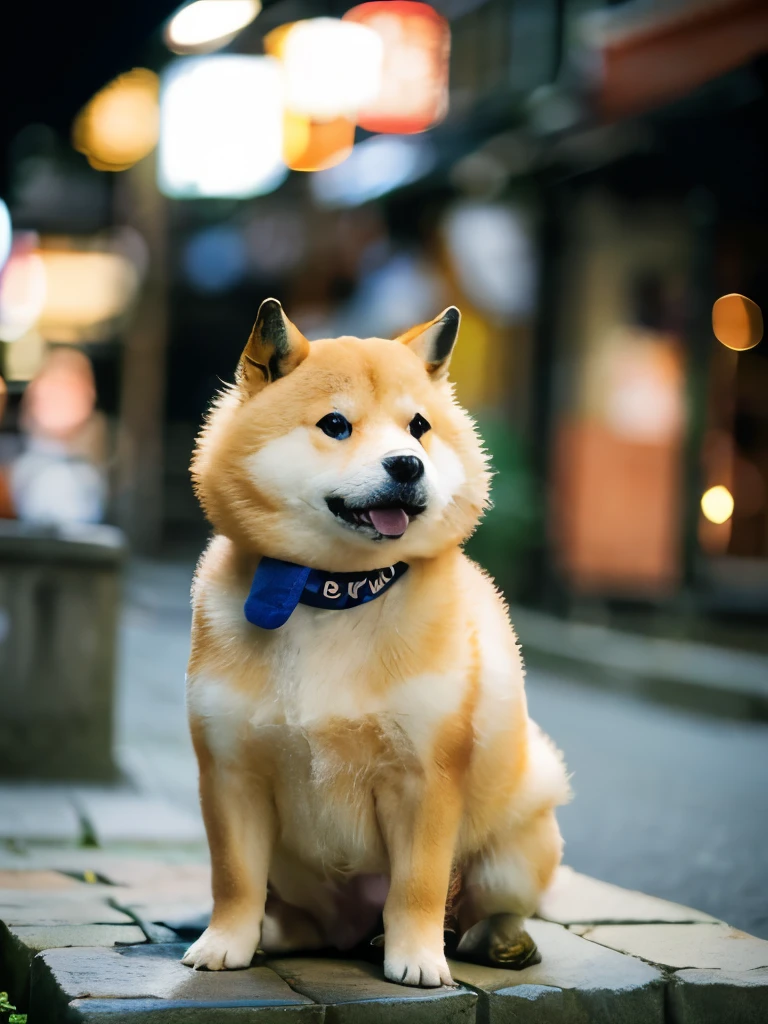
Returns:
point(145, 984)
point(120, 817)
point(20, 943)
point(354, 991)
point(573, 984)
point(36, 880)
point(698, 996)
point(118, 865)
point(574, 898)
point(87, 905)
point(38, 814)
point(685, 945)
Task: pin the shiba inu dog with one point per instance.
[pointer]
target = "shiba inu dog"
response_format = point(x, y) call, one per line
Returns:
point(355, 688)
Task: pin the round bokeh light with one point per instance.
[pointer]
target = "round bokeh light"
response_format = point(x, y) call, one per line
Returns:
point(737, 322)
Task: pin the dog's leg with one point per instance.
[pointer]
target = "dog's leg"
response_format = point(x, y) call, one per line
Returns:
point(240, 822)
point(502, 887)
point(419, 824)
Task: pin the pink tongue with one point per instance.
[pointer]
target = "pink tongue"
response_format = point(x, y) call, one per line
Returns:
point(391, 522)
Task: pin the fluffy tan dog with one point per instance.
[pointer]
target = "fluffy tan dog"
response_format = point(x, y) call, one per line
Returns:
point(364, 758)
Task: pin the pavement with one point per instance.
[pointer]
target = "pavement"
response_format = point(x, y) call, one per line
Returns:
point(95, 934)
point(101, 887)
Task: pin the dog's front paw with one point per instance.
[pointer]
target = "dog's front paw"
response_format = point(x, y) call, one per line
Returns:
point(418, 967)
point(219, 950)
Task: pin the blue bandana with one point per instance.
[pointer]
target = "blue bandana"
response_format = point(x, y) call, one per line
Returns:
point(279, 586)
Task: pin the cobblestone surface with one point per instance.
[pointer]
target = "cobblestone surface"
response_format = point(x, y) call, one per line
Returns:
point(87, 950)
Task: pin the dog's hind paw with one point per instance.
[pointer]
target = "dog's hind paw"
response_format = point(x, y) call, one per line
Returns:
point(499, 941)
point(222, 950)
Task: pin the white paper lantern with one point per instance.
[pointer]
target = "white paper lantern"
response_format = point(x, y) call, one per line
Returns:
point(221, 127)
point(332, 67)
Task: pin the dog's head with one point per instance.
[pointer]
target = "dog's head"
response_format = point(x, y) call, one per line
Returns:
point(344, 454)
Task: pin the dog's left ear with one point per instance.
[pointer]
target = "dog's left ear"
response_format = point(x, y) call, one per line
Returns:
point(275, 347)
point(433, 342)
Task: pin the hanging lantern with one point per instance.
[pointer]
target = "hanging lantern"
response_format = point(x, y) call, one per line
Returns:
point(417, 41)
point(332, 67)
point(309, 143)
point(119, 126)
point(221, 127)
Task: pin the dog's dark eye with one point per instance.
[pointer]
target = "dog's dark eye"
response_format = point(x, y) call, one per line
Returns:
point(335, 425)
point(419, 426)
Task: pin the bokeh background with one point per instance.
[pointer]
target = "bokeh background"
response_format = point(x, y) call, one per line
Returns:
point(583, 180)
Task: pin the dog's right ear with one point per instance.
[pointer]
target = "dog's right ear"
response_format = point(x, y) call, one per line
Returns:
point(275, 347)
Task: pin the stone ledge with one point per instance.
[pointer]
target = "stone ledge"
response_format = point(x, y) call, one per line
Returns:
point(573, 983)
point(574, 898)
point(353, 991)
point(701, 996)
point(149, 983)
point(596, 968)
point(679, 946)
point(19, 944)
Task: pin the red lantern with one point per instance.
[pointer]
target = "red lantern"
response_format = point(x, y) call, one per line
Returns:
point(417, 42)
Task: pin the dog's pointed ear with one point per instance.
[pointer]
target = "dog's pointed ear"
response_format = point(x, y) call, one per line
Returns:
point(275, 347)
point(433, 342)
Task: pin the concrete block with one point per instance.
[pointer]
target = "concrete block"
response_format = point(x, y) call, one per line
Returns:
point(59, 592)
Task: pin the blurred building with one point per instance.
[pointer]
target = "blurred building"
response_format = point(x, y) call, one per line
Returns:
point(598, 181)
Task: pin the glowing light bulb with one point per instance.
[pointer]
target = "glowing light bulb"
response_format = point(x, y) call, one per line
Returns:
point(717, 504)
point(206, 25)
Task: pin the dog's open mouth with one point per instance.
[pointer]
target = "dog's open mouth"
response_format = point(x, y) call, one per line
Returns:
point(381, 520)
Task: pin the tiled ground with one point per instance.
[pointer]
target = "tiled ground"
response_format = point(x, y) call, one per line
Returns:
point(96, 936)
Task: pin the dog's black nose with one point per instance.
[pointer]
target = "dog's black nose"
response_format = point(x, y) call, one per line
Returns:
point(404, 468)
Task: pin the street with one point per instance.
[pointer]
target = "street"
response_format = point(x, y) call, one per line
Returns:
point(666, 801)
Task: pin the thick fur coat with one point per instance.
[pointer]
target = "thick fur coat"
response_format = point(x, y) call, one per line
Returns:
point(355, 762)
